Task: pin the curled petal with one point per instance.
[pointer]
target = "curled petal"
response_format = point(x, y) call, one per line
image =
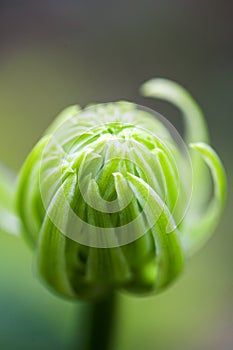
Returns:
point(172, 92)
point(197, 229)
point(195, 128)
point(104, 196)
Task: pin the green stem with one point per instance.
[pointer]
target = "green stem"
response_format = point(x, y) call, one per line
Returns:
point(100, 324)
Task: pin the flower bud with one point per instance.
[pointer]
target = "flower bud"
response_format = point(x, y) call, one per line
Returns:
point(105, 196)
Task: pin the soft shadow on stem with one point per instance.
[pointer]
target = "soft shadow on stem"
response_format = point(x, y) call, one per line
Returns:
point(98, 324)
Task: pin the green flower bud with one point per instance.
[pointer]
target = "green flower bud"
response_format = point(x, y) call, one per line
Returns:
point(106, 196)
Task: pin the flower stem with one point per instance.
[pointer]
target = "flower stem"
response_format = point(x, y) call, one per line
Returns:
point(100, 324)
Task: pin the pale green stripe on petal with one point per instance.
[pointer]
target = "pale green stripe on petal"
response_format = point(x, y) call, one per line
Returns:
point(113, 176)
point(51, 247)
point(169, 256)
point(28, 200)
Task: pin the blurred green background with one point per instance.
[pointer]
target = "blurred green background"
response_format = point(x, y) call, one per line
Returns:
point(57, 53)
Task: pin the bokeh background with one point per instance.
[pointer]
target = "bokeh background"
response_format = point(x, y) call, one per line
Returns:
point(55, 53)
